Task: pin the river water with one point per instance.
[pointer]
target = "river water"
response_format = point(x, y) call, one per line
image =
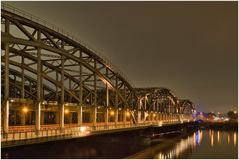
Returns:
point(205, 143)
point(200, 144)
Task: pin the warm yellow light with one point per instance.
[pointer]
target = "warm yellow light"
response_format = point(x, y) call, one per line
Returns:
point(66, 111)
point(24, 109)
point(154, 115)
point(127, 114)
point(234, 139)
point(112, 113)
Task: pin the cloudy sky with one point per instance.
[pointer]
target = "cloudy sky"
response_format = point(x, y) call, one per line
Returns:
point(189, 47)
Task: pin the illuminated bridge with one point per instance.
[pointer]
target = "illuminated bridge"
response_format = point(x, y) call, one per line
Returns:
point(53, 85)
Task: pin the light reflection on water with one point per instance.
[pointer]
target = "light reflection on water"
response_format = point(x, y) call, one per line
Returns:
point(235, 139)
point(195, 140)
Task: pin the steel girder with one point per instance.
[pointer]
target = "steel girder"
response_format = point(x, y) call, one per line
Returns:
point(186, 106)
point(158, 99)
point(19, 89)
point(60, 69)
point(69, 71)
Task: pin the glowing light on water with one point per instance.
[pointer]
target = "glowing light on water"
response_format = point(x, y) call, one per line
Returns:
point(228, 138)
point(180, 147)
point(198, 137)
point(234, 139)
point(201, 135)
point(212, 138)
point(218, 137)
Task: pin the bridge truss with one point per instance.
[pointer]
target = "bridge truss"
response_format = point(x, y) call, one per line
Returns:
point(46, 75)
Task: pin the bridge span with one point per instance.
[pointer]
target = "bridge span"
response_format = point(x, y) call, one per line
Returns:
point(53, 84)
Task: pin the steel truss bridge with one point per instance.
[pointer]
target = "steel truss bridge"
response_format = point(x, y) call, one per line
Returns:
point(49, 80)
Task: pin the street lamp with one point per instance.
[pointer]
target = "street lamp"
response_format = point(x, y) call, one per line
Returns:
point(66, 111)
point(127, 114)
point(112, 113)
point(25, 109)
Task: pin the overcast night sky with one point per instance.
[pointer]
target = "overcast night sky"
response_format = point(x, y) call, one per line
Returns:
point(188, 47)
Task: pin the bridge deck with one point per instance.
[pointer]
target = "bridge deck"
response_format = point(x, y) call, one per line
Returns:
point(19, 137)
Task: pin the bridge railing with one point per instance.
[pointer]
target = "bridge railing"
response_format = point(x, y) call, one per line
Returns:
point(74, 132)
point(49, 25)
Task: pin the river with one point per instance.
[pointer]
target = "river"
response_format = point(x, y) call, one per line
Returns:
point(198, 144)
point(201, 144)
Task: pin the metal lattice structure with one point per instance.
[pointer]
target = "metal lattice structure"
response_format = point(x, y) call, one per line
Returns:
point(44, 68)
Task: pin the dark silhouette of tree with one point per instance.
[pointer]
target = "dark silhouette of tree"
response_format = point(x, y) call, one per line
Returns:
point(232, 115)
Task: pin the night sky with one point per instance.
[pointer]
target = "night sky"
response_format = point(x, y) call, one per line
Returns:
point(188, 47)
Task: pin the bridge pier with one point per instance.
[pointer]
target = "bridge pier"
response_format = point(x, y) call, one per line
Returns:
point(62, 116)
point(6, 117)
point(116, 116)
point(38, 117)
point(94, 115)
point(106, 116)
point(79, 116)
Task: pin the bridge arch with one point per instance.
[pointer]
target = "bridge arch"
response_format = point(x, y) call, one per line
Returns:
point(51, 68)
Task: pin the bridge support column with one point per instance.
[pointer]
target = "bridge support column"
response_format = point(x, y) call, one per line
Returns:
point(38, 117)
point(150, 116)
point(6, 83)
point(157, 117)
point(116, 116)
point(106, 116)
point(62, 116)
point(138, 116)
point(6, 117)
point(79, 116)
point(94, 116)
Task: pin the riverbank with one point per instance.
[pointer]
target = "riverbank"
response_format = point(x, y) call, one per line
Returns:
point(221, 125)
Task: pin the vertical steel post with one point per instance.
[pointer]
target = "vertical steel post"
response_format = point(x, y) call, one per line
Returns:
point(79, 112)
point(106, 116)
point(39, 87)
point(62, 94)
point(107, 95)
point(6, 83)
point(116, 116)
point(79, 116)
point(94, 115)
point(23, 80)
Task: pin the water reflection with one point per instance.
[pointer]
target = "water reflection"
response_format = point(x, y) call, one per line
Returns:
point(187, 145)
point(228, 138)
point(212, 138)
point(218, 136)
point(234, 139)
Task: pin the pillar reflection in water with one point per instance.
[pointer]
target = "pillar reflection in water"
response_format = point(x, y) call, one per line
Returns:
point(228, 138)
point(234, 139)
point(218, 136)
point(182, 146)
point(212, 138)
point(198, 137)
